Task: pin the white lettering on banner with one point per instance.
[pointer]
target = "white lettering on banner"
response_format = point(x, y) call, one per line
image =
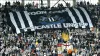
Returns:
point(65, 25)
point(59, 25)
point(38, 27)
point(70, 25)
point(48, 26)
point(45, 12)
point(37, 13)
point(74, 24)
point(45, 26)
point(55, 26)
point(60, 11)
point(83, 24)
point(51, 25)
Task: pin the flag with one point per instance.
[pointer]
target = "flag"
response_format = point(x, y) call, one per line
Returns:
point(65, 36)
point(23, 21)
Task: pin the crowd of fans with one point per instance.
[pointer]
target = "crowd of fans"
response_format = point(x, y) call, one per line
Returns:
point(49, 42)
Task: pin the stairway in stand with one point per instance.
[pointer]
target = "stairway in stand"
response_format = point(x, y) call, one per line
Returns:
point(0, 22)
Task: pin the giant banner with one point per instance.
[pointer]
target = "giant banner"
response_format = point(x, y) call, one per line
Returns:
point(21, 21)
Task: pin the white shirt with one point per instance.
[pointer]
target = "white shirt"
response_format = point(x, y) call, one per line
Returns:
point(37, 48)
point(73, 54)
point(95, 55)
point(44, 54)
point(6, 52)
point(2, 51)
point(70, 37)
point(53, 51)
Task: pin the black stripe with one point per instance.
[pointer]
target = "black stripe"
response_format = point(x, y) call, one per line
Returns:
point(75, 15)
point(10, 23)
point(24, 19)
point(84, 17)
point(92, 20)
point(67, 17)
point(35, 19)
point(17, 21)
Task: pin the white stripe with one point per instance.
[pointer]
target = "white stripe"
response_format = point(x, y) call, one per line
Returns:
point(71, 15)
point(21, 21)
point(29, 20)
point(14, 22)
point(52, 19)
point(80, 17)
point(49, 19)
point(87, 16)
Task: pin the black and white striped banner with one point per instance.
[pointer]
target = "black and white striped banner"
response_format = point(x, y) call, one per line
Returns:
point(22, 21)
